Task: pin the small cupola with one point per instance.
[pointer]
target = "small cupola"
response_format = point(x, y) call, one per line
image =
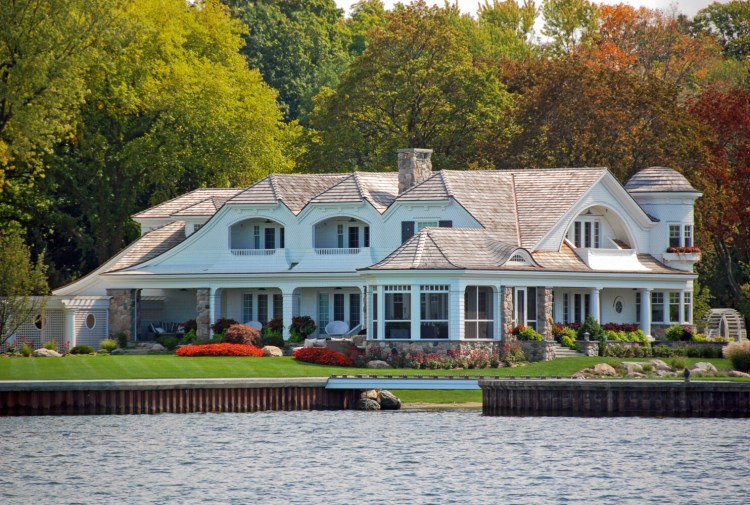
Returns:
point(414, 167)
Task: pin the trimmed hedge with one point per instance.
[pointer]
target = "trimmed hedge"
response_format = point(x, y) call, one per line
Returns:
point(322, 356)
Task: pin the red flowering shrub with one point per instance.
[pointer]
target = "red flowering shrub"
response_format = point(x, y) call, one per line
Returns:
point(322, 356)
point(684, 249)
point(220, 350)
point(242, 334)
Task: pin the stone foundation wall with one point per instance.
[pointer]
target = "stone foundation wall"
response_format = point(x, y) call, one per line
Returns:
point(535, 350)
point(121, 311)
point(590, 348)
point(431, 346)
point(203, 312)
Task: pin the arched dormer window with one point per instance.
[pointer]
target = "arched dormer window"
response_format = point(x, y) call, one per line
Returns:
point(599, 227)
point(256, 236)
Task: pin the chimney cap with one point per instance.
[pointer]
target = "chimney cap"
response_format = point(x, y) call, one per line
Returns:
point(415, 150)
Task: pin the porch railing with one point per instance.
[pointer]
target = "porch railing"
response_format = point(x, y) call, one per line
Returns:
point(326, 251)
point(253, 252)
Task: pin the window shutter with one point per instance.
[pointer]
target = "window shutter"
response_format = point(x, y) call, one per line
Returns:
point(445, 224)
point(407, 230)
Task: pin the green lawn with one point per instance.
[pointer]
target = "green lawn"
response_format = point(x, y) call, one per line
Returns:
point(172, 367)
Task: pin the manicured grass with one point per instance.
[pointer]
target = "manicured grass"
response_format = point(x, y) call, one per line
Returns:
point(173, 367)
point(441, 396)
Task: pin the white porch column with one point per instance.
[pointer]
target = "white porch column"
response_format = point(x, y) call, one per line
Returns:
point(381, 313)
point(646, 311)
point(69, 328)
point(456, 295)
point(212, 309)
point(287, 297)
point(415, 312)
point(594, 309)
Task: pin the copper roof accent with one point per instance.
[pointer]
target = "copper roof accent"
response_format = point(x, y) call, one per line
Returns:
point(659, 180)
point(182, 202)
point(294, 190)
point(450, 249)
point(380, 189)
point(151, 245)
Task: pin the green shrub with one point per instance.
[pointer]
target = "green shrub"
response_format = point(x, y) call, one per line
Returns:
point(108, 345)
point(274, 339)
point(51, 345)
point(26, 350)
point(301, 328)
point(526, 333)
point(593, 328)
point(739, 354)
point(122, 339)
point(567, 342)
point(647, 367)
point(82, 349)
point(168, 341)
point(678, 333)
point(638, 336)
point(569, 332)
point(189, 337)
point(679, 362)
point(710, 352)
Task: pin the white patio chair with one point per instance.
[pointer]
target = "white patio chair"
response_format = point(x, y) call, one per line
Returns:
point(255, 324)
point(337, 328)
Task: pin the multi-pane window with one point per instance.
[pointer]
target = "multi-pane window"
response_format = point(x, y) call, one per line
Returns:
point(566, 308)
point(366, 236)
point(680, 235)
point(397, 301)
point(338, 307)
point(354, 237)
point(421, 225)
point(674, 307)
point(657, 306)
point(263, 309)
point(323, 311)
point(586, 233)
point(478, 312)
point(340, 236)
point(247, 307)
point(525, 306)
point(278, 307)
point(687, 306)
point(270, 241)
point(256, 237)
point(433, 302)
point(375, 315)
point(637, 307)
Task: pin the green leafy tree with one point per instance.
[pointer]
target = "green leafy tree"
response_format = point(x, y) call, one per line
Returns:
point(23, 285)
point(568, 22)
point(416, 85)
point(729, 24)
point(299, 46)
point(365, 15)
point(172, 107)
point(45, 48)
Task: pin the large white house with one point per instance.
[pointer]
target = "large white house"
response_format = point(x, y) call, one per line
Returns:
point(409, 256)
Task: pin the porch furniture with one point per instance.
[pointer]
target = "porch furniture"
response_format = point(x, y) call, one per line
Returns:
point(160, 328)
point(337, 328)
point(255, 324)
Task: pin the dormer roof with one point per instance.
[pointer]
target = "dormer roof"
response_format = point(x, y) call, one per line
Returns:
point(378, 188)
point(209, 197)
point(659, 180)
point(293, 190)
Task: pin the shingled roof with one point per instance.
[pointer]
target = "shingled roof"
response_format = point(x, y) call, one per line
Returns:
point(513, 205)
point(446, 249)
point(659, 180)
point(294, 190)
point(175, 205)
point(150, 245)
point(378, 188)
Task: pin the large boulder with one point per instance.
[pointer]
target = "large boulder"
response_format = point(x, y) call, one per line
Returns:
point(605, 370)
point(376, 363)
point(631, 367)
point(46, 353)
point(737, 373)
point(272, 350)
point(117, 351)
point(389, 401)
point(703, 367)
point(367, 404)
point(370, 394)
point(157, 348)
point(660, 365)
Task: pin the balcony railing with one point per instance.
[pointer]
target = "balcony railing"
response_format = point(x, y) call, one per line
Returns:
point(329, 251)
point(253, 252)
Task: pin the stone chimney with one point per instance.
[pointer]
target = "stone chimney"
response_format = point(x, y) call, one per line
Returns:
point(414, 166)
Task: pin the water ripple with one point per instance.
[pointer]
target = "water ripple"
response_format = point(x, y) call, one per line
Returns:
point(450, 457)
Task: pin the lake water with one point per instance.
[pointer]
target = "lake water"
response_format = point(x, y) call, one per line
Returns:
point(443, 457)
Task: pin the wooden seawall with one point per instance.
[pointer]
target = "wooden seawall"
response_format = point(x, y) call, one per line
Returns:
point(602, 398)
point(169, 396)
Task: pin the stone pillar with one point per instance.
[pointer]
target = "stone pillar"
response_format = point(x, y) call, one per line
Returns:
point(414, 166)
point(506, 308)
point(203, 312)
point(545, 318)
point(646, 311)
point(121, 311)
point(595, 304)
point(415, 312)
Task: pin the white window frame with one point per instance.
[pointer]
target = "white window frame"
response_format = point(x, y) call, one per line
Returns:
point(594, 235)
point(425, 300)
point(682, 233)
point(421, 225)
point(404, 291)
point(476, 321)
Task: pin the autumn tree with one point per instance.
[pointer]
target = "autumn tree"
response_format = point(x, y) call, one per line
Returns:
point(723, 210)
point(568, 22)
point(416, 85)
point(299, 46)
point(568, 114)
point(172, 107)
point(23, 285)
